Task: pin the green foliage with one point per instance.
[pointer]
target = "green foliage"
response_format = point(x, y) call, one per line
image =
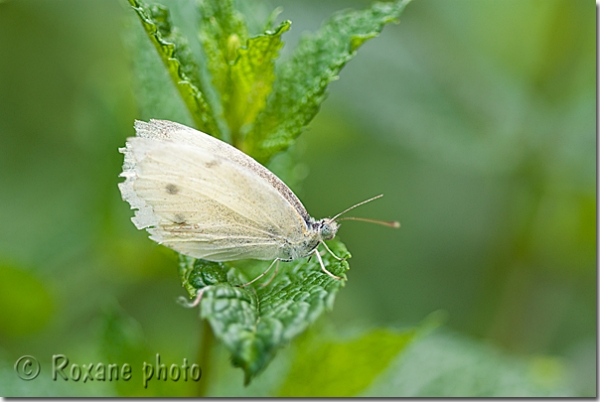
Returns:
point(335, 368)
point(176, 55)
point(252, 78)
point(222, 31)
point(327, 366)
point(448, 365)
point(254, 322)
point(264, 109)
point(242, 68)
point(302, 81)
point(424, 361)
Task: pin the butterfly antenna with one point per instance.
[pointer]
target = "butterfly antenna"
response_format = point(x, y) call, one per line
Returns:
point(391, 224)
point(356, 205)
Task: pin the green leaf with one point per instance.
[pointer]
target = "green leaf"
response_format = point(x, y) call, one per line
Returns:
point(252, 77)
point(254, 322)
point(222, 31)
point(301, 83)
point(343, 368)
point(177, 57)
point(449, 365)
point(242, 69)
point(155, 94)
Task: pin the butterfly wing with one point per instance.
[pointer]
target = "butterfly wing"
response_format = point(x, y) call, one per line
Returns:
point(164, 130)
point(204, 204)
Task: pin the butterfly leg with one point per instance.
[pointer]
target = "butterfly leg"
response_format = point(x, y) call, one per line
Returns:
point(316, 252)
point(331, 252)
point(261, 275)
point(196, 301)
point(272, 276)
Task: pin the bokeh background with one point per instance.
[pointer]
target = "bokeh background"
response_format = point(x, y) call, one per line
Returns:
point(475, 118)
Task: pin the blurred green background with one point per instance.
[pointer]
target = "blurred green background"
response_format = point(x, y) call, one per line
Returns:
point(475, 118)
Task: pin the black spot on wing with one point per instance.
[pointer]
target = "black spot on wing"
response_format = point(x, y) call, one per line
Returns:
point(179, 219)
point(213, 163)
point(172, 189)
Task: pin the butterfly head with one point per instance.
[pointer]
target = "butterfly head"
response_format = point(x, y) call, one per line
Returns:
point(327, 228)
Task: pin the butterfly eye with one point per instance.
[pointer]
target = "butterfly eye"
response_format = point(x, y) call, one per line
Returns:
point(327, 232)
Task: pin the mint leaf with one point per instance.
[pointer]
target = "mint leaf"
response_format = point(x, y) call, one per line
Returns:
point(177, 57)
point(254, 322)
point(252, 77)
point(328, 366)
point(222, 31)
point(302, 81)
point(343, 368)
point(242, 68)
point(155, 94)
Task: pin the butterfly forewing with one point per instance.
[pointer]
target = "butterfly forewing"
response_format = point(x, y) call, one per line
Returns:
point(164, 130)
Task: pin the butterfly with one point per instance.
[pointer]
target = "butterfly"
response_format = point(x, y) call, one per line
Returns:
point(206, 199)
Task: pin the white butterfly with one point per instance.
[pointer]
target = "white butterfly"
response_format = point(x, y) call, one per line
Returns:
point(206, 199)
